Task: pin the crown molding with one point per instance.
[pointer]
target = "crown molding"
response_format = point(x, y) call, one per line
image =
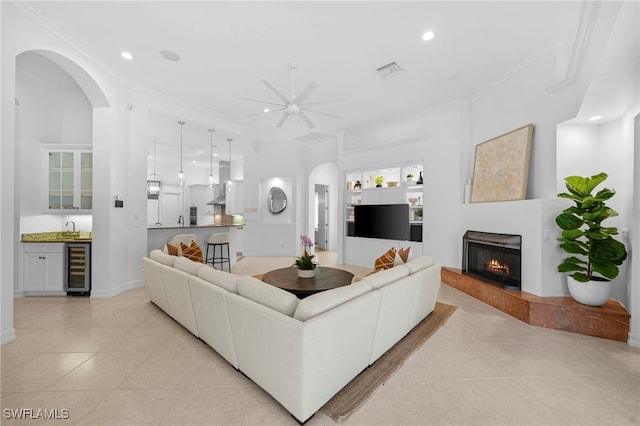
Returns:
point(588, 18)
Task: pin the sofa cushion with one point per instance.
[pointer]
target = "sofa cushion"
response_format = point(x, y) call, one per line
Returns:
point(185, 265)
point(220, 278)
point(192, 251)
point(382, 278)
point(162, 257)
point(386, 260)
point(319, 303)
point(267, 295)
point(418, 263)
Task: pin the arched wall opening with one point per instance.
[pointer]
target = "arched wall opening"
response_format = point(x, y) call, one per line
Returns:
point(326, 175)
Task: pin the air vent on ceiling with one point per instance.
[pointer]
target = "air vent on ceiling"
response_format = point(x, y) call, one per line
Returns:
point(389, 70)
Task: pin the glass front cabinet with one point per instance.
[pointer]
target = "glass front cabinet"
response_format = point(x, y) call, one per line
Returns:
point(69, 180)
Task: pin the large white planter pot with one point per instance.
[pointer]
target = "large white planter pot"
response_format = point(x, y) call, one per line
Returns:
point(592, 293)
point(306, 273)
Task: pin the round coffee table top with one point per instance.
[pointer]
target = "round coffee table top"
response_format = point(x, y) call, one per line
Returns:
point(325, 278)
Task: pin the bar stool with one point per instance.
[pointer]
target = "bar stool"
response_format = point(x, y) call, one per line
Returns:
point(218, 240)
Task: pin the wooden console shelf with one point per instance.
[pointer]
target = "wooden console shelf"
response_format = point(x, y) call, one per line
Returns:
point(610, 321)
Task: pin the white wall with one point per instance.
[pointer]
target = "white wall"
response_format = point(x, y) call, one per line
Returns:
point(54, 111)
point(278, 237)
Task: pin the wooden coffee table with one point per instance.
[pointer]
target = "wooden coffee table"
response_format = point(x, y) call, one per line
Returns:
point(325, 279)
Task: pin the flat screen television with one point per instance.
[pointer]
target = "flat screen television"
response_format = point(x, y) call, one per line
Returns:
point(384, 221)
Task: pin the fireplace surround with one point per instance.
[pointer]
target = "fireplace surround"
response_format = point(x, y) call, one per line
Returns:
point(495, 258)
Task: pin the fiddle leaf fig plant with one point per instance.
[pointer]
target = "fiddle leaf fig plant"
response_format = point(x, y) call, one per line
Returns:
point(583, 234)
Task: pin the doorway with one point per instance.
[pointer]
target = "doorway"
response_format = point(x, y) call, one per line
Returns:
point(321, 216)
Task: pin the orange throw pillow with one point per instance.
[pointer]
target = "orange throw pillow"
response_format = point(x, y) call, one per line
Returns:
point(404, 254)
point(173, 249)
point(192, 252)
point(386, 260)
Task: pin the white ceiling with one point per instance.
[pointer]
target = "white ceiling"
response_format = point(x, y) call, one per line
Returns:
point(225, 47)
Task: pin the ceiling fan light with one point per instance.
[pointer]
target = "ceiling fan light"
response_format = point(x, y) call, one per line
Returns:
point(428, 35)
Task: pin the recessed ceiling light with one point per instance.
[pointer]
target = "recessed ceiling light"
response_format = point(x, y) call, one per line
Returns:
point(126, 55)
point(266, 110)
point(595, 117)
point(428, 35)
point(170, 55)
point(194, 161)
point(215, 154)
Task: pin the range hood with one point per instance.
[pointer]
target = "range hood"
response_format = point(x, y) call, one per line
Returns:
point(220, 189)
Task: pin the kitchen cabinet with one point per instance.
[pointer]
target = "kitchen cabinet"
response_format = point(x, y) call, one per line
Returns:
point(69, 180)
point(43, 265)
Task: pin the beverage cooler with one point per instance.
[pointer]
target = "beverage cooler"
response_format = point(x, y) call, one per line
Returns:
point(77, 269)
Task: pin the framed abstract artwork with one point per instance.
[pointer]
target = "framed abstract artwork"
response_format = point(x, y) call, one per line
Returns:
point(501, 167)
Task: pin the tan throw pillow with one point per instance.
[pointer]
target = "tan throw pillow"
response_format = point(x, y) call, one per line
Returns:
point(173, 249)
point(404, 254)
point(386, 260)
point(192, 252)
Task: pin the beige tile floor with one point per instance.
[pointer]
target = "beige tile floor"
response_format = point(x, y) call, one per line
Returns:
point(123, 361)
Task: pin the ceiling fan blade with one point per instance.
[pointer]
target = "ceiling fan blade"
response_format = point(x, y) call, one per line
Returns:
point(274, 90)
point(306, 120)
point(263, 113)
point(321, 113)
point(264, 102)
point(342, 102)
point(306, 92)
point(283, 119)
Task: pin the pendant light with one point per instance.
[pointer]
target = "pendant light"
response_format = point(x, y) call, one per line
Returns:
point(229, 182)
point(181, 174)
point(153, 182)
point(211, 159)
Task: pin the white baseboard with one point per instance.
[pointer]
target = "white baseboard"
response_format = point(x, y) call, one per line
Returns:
point(106, 294)
point(18, 294)
point(7, 336)
point(634, 341)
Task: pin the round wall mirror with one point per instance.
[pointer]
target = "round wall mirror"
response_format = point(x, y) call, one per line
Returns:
point(277, 200)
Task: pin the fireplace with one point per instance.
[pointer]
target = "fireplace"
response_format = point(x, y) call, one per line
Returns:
point(495, 258)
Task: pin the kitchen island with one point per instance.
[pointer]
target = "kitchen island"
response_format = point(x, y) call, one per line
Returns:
point(158, 236)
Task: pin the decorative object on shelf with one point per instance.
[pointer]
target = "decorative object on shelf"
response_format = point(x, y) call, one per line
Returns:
point(501, 167)
point(357, 186)
point(418, 214)
point(419, 182)
point(305, 263)
point(593, 249)
point(392, 184)
point(378, 180)
point(467, 191)
point(410, 177)
point(413, 200)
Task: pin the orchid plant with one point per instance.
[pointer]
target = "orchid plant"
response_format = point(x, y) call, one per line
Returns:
point(305, 261)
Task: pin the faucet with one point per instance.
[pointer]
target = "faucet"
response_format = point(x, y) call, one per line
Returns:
point(72, 223)
point(181, 220)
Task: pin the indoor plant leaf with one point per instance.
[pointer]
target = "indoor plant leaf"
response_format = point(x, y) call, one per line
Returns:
point(569, 221)
point(607, 270)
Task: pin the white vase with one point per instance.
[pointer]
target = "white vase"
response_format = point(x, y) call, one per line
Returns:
point(306, 273)
point(592, 293)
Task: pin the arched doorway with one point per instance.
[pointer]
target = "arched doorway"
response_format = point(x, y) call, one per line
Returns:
point(323, 205)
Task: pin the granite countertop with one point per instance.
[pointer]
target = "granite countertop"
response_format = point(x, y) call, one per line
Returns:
point(58, 237)
point(150, 227)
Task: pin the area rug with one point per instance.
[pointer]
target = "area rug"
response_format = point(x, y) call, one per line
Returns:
point(360, 389)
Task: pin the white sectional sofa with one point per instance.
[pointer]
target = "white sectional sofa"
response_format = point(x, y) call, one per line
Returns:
point(302, 352)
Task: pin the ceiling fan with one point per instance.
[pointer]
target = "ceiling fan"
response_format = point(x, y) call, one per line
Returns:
point(295, 104)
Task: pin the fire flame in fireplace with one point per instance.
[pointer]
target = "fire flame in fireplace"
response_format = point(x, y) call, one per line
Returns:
point(496, 267)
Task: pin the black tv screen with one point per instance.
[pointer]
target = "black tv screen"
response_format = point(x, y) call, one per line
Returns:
point(384, 221)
